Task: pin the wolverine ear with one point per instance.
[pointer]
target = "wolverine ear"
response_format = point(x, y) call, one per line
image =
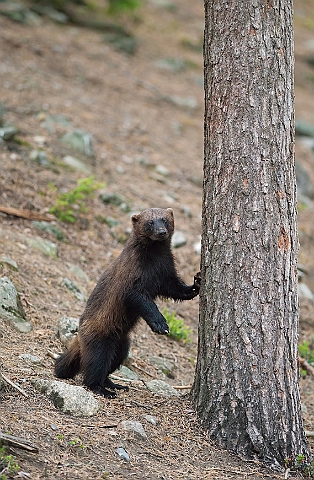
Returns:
point(135, 218)
point(170, 211)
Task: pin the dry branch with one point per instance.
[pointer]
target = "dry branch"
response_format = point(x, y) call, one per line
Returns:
point(24, 213)
point(18, 442)
point(306, 365)
point(19, 389)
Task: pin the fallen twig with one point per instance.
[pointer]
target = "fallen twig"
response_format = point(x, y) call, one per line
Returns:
point(142, 370)
point(28, 214)
point(14, 385)
point(18, 442)
point(306, 365)
point(182, 387)
point(52, 355)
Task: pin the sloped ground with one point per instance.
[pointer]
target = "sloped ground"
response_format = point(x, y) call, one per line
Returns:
point(56, 78)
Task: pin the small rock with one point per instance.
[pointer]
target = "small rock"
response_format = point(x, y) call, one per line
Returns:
point(151, 419)
point(162, 388)
point(79, 273)
point(111, 222)
point(162, 170)
point(135, 427)
point(304, 128)
point(304, 291)
point(178, 239)
point(111, 198)
point(45, 246)
point(74, 289)
point(30, 358)
point(49, 228)
point(161, 364)
point(79, 140)
point(122, 42)
point(126, 372)
point(11, 308)
point(40, 157)
point(185, 102)
point(303, 408)
point(9, 262)
point(304, 183)
point(70, 399)
point(76, 164)
point(175, 64)
point(8, 133)
point(122, 454)
point(67, 328)
point(197, 247)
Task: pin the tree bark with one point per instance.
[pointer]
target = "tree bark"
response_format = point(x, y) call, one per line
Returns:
point(246, 388)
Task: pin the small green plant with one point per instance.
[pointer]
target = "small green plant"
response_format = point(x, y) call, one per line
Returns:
point(120, 6)
point(300, 464)
point(77, 443)
point(8, 465)
point(306, 351)
point(178, 330)
point(71, 203)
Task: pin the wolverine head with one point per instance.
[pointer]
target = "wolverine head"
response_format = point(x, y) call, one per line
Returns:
point(156, 224)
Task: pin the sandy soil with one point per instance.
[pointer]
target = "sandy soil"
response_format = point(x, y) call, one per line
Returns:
point(128, 104)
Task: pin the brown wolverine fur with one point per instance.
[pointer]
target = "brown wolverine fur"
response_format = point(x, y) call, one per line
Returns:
point(125, 292)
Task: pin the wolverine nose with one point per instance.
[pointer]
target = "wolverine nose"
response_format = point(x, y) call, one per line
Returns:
point(162, 232)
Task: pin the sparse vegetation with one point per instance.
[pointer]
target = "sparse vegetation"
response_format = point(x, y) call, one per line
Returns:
point(301, 465)
point(8, 465)
point(70, 204)
point(178, 330)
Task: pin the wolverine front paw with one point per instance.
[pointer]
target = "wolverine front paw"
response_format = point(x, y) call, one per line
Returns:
point(197, 282)
point(161, 329)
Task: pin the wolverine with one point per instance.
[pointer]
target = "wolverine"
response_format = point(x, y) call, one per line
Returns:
point(126, 291)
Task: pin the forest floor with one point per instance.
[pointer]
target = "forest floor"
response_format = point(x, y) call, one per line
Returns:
point(145, 114)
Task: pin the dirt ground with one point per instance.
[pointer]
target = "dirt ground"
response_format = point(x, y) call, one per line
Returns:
point(55, 78)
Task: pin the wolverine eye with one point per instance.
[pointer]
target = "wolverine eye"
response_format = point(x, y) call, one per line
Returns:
point(149, 224)
point(165, 221)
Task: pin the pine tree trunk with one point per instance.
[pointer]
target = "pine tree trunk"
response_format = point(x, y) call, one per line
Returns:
point(246, 384)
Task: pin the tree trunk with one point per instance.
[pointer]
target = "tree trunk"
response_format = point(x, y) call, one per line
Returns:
point(246, 388)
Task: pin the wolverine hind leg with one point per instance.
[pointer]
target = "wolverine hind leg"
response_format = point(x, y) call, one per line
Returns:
point(100, 357)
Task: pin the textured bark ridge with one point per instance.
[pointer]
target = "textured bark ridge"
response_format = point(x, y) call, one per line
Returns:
point(246, 385)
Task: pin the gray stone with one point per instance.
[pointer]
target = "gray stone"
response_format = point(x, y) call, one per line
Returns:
point(185, 102)
point(178, 239)
point(304, 184)
point(45, 246)
point(8, 133)
point(151, 419)
point(304, 128)
point(122, 42)
point(172, 64)
point(11, 308)
point(70, 399)
point(122, 454)
point(162, 170)
point(76, 164)
point(304, 291)
point(161, 364)
point(30, 358)
point(19, 13)
point(162, 388)
point(126, 372)
point(79, 273)
point(40, 157)
point(111, 198)
point(135, 427)
point(48, 228)
point(67, 328)
point(197, 247)
point(111, 222)
point(79, 140)
point(9, 262)
point(74, 289)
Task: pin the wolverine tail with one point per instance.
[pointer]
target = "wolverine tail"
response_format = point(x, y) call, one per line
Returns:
point(69, 363)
